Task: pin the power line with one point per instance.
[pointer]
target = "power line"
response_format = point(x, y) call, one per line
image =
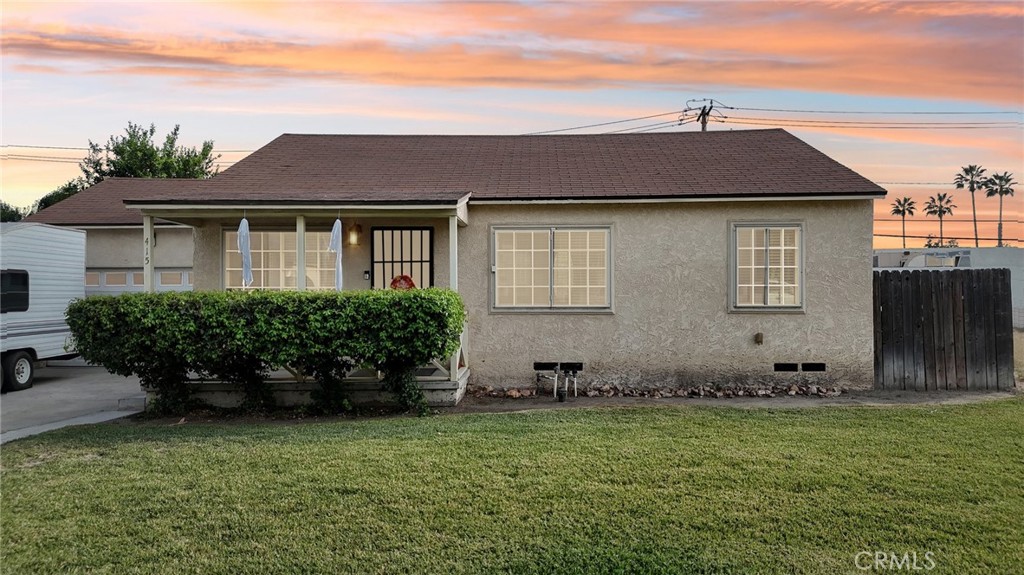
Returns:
point(797, 122)
point(874, 123)
point(948, 113)
point(787, 123)
point(604, 123)
point(916, 183)
point(43, 147)
point(943, 237)
point(36, 155)
point(54, 160)
point(87, 149)
point(661, 124)
point(987, 221)
point(39, 159)
point(683, 123)
point(60, 159)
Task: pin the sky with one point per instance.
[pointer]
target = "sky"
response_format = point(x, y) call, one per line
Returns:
point(904, 93)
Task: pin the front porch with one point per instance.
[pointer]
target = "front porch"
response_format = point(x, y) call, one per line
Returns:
point(362, 388)
point(290, 251)
point(443, 384)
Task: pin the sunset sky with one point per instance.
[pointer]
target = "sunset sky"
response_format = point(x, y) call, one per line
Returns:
point(242, 73)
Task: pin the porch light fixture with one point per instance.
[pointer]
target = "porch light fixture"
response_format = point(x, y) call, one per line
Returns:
point(354, 231)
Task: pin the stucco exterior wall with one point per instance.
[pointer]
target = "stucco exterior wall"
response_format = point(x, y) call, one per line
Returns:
point(122, 248)
point(671, 323)
point(209, 251)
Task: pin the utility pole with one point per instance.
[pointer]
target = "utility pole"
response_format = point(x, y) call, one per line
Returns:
point(705, 112)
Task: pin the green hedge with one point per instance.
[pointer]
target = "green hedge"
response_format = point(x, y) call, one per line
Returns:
point(241, 336)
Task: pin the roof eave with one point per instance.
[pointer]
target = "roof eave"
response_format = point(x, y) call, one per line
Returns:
point(187, 211)
point(207, 203)
point(681, 198)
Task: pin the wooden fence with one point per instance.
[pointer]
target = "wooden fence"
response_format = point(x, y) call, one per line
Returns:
point(948, 330)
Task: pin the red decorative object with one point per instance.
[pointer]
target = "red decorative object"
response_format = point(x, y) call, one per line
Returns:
point(403, 282)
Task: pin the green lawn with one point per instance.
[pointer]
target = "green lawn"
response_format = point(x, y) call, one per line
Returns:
point(611, 490)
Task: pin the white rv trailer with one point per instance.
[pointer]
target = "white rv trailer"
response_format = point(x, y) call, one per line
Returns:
point(42, 269)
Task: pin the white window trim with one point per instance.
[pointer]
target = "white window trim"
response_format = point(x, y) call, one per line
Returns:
point(255, 229)
point(801, 276)
point(609, 259)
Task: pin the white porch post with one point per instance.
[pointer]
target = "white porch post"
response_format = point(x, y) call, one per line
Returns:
point(148, 241)
point(300, 253)
point(453, 284)
point(453, 252)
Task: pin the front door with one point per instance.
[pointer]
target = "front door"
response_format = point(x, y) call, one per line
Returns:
point(402, 251)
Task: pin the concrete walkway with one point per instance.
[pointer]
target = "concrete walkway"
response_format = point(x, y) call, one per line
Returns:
point(63, 396)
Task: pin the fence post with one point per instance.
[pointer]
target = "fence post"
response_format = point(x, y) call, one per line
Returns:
point(1003, 330)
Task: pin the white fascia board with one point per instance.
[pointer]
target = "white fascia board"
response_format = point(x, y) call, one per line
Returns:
point(124, 226)
point(290, 207)
point(627, 200)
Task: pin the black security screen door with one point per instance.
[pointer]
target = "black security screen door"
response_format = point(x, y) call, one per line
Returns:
point(402, 251)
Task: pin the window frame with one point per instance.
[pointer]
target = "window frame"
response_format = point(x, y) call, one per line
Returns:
point(431, 261)
point(493, 308)
point(181, 278)
point(5, 305)
point(733, 291)
point(125, 284)
point(225, 230)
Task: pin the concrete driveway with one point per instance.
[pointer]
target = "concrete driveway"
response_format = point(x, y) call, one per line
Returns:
point(64, 396)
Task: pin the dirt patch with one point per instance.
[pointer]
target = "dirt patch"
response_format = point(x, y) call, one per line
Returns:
point(852, 398)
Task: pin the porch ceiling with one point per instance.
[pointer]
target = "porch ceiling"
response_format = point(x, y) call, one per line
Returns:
point(196, 213)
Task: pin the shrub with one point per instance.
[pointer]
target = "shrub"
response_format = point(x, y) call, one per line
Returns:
point(400, 330)
point(240, 336)
point(148, 335)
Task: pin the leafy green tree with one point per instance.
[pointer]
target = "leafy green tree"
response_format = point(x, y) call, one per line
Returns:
point(973, 178)
point(1000, 185)
point(136, 155)
point(64, 192)
point(9, 213)
point(940, 206)
point(904, 207)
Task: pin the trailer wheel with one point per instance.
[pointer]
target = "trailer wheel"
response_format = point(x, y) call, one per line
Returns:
point(19, 371)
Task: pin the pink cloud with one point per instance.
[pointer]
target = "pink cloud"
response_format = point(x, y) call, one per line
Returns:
point(926, 50)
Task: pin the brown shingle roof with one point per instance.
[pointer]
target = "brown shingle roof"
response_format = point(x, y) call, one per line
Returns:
point(102, 204)
point(377, 169)
point(311, 169)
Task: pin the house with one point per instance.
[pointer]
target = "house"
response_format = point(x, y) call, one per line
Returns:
point(734, 257)
point(113, 258)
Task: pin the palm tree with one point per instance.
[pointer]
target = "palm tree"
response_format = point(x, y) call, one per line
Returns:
point(939, 205)
point(1000, 185)
point(973, 178)
point(904, 207)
